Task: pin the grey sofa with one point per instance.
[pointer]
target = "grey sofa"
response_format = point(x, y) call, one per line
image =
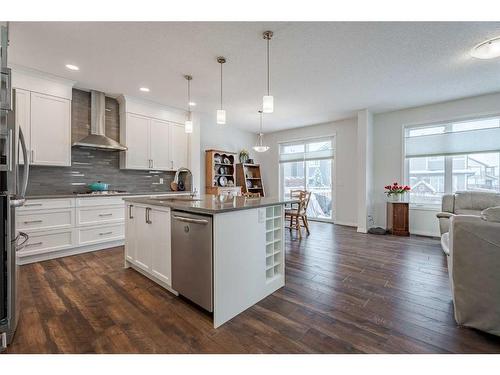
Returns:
point(472, 244)
point(465, 203)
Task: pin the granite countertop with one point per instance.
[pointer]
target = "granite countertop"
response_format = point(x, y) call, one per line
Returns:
point(210, 204)
point(83, 195)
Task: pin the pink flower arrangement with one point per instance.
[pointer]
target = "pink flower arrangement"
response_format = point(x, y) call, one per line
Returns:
point(396, 189)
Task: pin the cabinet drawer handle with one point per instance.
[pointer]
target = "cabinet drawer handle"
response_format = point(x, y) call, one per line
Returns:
point(32, 204)
point(105, 233)
point(34, 244)
point(130, 211)
point(101, 215)
point(32, 221)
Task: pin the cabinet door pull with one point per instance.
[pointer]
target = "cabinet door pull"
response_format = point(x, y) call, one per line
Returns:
point(130, 211)
point(105, 233)
point(32, 221)
point(32, 156)
point(148, 218)
point(102, 215)
point(32, 204)
point(34, 244)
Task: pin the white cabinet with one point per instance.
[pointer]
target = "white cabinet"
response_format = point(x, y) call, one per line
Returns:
point(152, 143)
point(46, 124)
point(179, 147)
point(136, 133)
point(23, 115)
point(50, 130)
point(160, 144)
point(147, 241)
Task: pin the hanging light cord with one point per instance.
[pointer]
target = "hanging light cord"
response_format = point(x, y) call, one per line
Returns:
point(189, 95)
point(268, 75)
point(221, 85)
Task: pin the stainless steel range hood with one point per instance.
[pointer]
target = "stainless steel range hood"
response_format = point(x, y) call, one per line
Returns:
point(97, 137)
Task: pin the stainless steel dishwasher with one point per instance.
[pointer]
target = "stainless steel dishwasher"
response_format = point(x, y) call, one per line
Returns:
point(192, 257)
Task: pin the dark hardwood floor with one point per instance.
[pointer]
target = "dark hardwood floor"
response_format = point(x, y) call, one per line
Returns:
point(345, 293)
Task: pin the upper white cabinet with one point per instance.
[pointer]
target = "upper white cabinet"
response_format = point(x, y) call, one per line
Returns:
point(50, 130)
point(43, 112)
point(161, 144)
point(154, 136)
point(23, 118)
point(179, 149)
point(136, 137)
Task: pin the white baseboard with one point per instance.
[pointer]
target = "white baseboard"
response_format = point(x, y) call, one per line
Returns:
point(424, 233)
point(345, 223)
point(67, 252)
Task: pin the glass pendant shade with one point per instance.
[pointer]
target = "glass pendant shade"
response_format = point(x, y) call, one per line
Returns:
point(268, 104)
point(188, 126)
point(259, 147)
point(221, 116)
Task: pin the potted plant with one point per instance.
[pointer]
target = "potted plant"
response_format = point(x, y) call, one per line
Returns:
point(396, 191)
point(244, 156)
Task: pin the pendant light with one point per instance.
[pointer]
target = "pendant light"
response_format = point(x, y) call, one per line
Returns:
point(268, 100)
point(259, 147)
point(188, 125)
point(221, 113)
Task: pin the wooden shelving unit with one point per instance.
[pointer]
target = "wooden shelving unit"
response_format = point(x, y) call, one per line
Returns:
point(274, 242)
point(216, 166)
point(248, 176)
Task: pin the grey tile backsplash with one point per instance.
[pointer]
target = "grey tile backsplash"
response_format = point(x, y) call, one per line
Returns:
point(90, 165)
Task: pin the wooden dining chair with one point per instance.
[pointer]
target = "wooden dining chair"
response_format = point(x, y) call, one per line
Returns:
point(299, 212)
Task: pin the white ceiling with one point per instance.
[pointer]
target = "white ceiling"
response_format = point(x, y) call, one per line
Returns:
point(319, 71)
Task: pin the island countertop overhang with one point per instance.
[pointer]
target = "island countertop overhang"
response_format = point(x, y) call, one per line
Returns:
point(210, 204)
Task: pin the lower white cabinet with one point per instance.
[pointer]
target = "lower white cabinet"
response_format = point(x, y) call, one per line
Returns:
point(59, 227)
point(102, 233)
point(147, 241)
point(48, 241)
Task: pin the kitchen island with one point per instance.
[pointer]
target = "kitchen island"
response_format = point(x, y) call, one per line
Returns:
point(223, 253)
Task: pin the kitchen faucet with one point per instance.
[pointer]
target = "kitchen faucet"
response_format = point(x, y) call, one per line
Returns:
point(193, 192)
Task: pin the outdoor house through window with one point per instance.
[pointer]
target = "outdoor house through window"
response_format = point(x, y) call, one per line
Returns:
point(452, 156)
point(308, 165)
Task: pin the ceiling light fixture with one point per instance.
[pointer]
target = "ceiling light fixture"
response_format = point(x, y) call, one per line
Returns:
point(268, 100)
point(488, 49)
point(72, 67)
point(259, 147)
point(221, 113)
point(192, 104)
point(188, 125)
point(144, 89)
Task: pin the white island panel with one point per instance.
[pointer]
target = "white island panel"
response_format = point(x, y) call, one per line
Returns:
point(240, 267)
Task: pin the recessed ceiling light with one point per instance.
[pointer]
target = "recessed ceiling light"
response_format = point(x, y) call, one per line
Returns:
point(144, 89)
point(72, 67)
point(192, 104)
point(488, 49)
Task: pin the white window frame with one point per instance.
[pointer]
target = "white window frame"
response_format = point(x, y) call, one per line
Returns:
point(281, 178)
point(448, 159)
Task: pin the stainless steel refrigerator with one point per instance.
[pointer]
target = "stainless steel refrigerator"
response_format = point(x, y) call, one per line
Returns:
point(13, 184)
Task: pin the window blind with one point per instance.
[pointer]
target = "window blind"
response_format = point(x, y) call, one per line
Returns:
point(454, 138)
point(311, 149)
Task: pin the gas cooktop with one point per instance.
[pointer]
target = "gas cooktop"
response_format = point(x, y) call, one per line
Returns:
point(103, 192)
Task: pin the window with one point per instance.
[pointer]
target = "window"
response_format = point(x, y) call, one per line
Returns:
point(449, 157)
point(308, 165)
